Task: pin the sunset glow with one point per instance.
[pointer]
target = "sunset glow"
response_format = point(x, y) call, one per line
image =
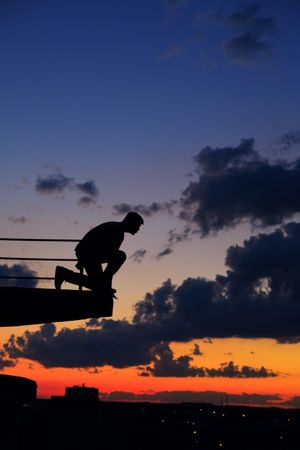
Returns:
point(187, 113)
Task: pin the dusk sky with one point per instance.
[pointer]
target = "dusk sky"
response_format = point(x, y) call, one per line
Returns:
point(186, 111)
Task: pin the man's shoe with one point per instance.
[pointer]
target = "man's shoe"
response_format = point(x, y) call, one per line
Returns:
point(59, 277)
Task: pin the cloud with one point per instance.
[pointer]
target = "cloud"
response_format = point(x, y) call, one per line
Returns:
point(215, 161)
point(235, 185)
point(146, 211)
point(257, 298)
point(174, 238)
point(196, 350)
point(250, 42)
point(138, 255)
point(53, 184)
point(294, 402)
point(211, 397)
point(287, 141)
point(165, 252)
point(250, 45)
point(18, 270)
point(231, 370)
point(88, 188)
point(246, 48)
point(244, 35)
point(165, 365)
point(57, 184)
point(81, 348)
point(86, 201)
point(18, 220)
point(4, 362)
point(248, 17)
point(116, 343)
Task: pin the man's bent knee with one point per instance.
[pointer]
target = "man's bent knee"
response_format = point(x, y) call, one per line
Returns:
point(121, 256)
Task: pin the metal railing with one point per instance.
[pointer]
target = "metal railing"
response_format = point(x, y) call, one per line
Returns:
point(17, 258)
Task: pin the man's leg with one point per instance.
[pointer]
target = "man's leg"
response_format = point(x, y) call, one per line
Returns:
point(94, 278)
point(113, 265)
point(90, 281)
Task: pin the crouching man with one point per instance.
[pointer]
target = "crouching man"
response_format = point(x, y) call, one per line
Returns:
point(99, 246)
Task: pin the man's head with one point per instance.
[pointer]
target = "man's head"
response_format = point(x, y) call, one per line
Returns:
point(132, 222)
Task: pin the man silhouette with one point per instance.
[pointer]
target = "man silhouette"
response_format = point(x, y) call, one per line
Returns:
point(100, 245)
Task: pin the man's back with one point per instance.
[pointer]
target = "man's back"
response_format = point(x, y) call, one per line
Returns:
point(102, 241)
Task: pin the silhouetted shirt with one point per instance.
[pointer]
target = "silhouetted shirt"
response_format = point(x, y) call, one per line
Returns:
point(101, 242)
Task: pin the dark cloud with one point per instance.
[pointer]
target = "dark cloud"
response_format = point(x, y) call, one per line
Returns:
point(231, 370)
point(257, 298)
point(212, 397)
point(18, 220)
point(196, 350)
point(266, 268)
point(215, 161)
point(81, 348)
point(294, 402)
point(53, 184)
point(116, 343)
point(138, 255)
point(147, 211)
point(165, 252)
point(250, 42)
point(174, 238)
point(248, 17)
point(246, 48)
point(289, 340)
point(165, 365)
point(287, 141)
point(86, 201)
point(119, 396)
point(17, 270)
point(88, 188)
point(236, 185)
point(4, 362)
point(58, 184)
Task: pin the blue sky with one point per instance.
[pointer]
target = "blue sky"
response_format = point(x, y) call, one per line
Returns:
point(108, 103)
point(126, 94)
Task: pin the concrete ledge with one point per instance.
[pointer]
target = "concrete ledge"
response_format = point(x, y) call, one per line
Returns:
point(28, 306)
